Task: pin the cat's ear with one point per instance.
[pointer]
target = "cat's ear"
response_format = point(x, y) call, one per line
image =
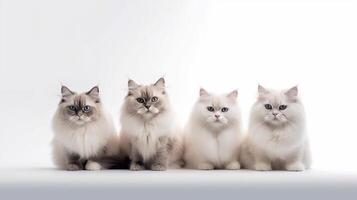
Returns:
point(262, 90)
point(203, 93)
point(132, 84)
point(65, 91)
point(292, 92)
point(233, 94)
point(160, 83)
point(94, 92)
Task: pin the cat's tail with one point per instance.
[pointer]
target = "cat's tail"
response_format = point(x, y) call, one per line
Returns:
point(114, 162)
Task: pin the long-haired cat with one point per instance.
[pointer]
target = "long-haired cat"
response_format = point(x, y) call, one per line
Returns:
point(276, 137)
point(82, 131)
point(212, 135)
point(149, 132)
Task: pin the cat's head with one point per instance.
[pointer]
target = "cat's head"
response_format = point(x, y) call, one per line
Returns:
point(277, 108)
point(146, 100)
point(217, 111)
point(79, 108)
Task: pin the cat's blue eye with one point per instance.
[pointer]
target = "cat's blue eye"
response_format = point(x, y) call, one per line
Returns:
point(282, 107)
point(86, 109)
point(154, 99)
point(140, 100)
point(72, 108)
point(210, 108)
point(224, 109)
point(268, 106)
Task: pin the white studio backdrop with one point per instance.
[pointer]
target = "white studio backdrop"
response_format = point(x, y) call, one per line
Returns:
point(219, 45)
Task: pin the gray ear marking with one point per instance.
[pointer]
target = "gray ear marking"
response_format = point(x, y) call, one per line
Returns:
point(132, 84)
point(292, 92)
point(94, 93)
point(160, 83)
point(203, 92)
point(65, 91)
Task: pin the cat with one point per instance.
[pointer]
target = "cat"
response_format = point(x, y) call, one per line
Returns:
point(213, 132)
point(83, 131)
point(276, 138)
point(149, 133)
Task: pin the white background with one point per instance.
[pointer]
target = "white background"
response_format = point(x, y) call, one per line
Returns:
point(219, 45)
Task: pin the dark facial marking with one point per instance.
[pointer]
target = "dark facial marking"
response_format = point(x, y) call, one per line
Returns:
point(146, 94)
point(79, 107)
point(146, 98)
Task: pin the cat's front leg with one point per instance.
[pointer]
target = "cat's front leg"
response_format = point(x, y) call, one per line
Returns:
point(261, 162)
point(295, 166)
point(234, 165)
point(74, 162)
point(205, 166)
point(136, 163)
point(159, 161)
point(295, 162)
point(262, 166)
point(93, 166)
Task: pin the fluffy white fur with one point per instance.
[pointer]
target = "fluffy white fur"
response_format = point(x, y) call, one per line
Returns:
point(143, 129)
point(277, 138)
point(86, 137)
point(212, 138)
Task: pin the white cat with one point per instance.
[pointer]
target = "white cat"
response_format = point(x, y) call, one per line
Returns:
point(82, 131)
point(212, 135)
point(149, 131)
point(276, 137)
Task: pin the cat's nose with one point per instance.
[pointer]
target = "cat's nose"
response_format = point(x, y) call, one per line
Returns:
point(275, 114)
point(147, 106)
point(217, 116)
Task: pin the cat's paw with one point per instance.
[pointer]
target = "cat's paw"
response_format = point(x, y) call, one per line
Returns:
point(262, 167)
point(73, 167)
point(295, 167)
point(175, 166)
point(205, 166)
point(136, 167)
point(158, 167)
point(233, 165)
point(93, 166)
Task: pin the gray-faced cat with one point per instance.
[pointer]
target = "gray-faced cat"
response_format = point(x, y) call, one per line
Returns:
point(82, 130)
point(149, 132)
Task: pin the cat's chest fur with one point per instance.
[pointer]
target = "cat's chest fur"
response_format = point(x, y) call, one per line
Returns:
point(278, 143)
point(86, 141)
point(218, 148)
point(144, 135)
